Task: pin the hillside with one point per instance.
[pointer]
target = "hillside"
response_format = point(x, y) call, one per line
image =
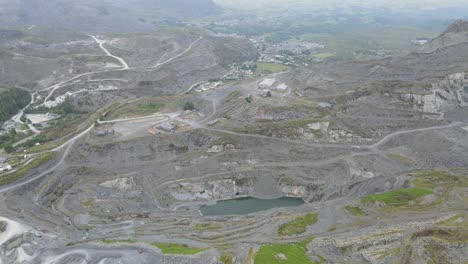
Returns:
point(455, 34)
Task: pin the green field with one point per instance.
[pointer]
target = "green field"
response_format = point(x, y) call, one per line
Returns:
point(270, 67)
point(166, 248)
point(146, 106)
point(207, 226)
point(354, 210)
point(226, 259)
point(399, 197)
point(269, 129)
point(178, 249)
point(282, 254)
point(344, 46)
point(323, 55)
point(431, 179)
point(298, 225)
point(401, 159)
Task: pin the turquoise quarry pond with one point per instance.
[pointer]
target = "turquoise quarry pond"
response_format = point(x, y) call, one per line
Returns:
point(248, 205)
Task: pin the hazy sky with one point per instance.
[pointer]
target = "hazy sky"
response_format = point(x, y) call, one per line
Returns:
point(421, 4)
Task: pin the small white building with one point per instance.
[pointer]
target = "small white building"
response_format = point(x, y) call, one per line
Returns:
point(267, 83)
point(213, 122)
point(282, 87)
point(325, 105)
point(322, 126)
point(167, 127)
point(5, 167)
point(265, 93)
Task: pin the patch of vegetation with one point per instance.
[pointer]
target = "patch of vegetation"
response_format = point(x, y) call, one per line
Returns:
point(178, 149)
point(225, 139)
point(402, 159)
point(363, 40)
point(354, 210)
point(323, 55)
point(294, 253)
point(399, 197)
point(269, 67)
point(189, 106)
point(455, 221)
point(11, 101)
point(166, 248)
point(7, 140)
point(304, 243)
point(234, 95)
point(432, 179)
point(286, 128)
point(15, 161)
point(240, 182)
point(178, 249)
point(207, 226)
point(341, 100)
point(40, 139)
point(38, 161)
point(58, 129)
point(449, 234)
point(90, 202)
point(250, 256)
point(226, 259)
point(146, 106)
point(149, 107)
point(298, 225)
point(438, 253)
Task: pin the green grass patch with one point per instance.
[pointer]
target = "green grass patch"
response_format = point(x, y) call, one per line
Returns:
point(294, 253)
point(14, 161)
point(207, 226)
point(354, 210)
point(366, 40)
point(402, 159)
point(149, 107)
point(323, 55)
point(304, 243)
point(234, 95)
point(455, 221)
point(90, 202)
point(226, 259)
point(14, 176)
point(178, 249)
point(281, 128)
point(270, 67)
point(146, 106)
point(432, 179)
point(399, 197)
point(448, 234)
point(298, 225)
point(250, 256)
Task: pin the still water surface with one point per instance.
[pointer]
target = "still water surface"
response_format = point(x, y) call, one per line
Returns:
point(248, 205)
